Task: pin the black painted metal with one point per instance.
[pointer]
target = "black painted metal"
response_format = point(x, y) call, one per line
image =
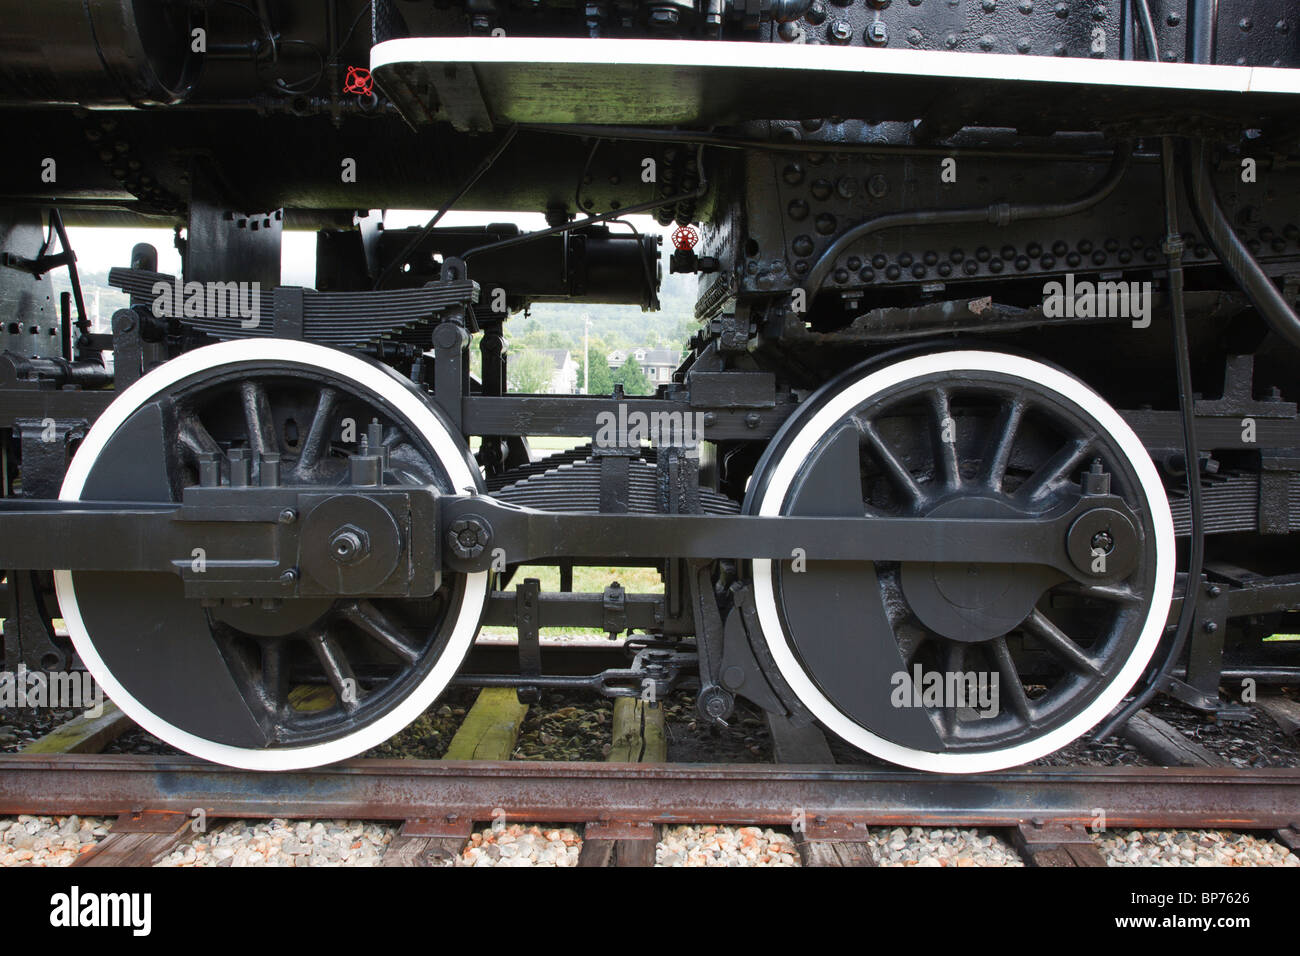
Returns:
point(787, 189)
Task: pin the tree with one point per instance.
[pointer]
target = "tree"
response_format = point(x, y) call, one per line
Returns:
point(600, 381)
point(632, 378)
point(528, 372)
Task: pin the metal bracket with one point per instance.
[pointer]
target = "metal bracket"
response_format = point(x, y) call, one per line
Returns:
point(528, 624)
point(739, 670)
point(614, 606)
point(714, 702)
point(28, 630)
point(45, 445)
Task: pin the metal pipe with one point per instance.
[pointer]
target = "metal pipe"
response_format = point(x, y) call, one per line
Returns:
point(1234, 255)
point(1148, 30)
point(1158, 679)
point(999, 214)
point(1202, 26)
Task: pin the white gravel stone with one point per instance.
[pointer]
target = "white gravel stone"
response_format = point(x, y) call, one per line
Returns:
point(1192, 848)
point(48, 841)
point(285, 843)
point(520, 844)
point(928, 847)
point(725, 846)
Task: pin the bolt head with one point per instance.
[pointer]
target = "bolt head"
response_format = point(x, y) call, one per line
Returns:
point(1103, 542)
point(467, 537)
point(349, 544)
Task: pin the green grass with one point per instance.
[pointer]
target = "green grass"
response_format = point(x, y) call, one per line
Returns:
point(555, 442)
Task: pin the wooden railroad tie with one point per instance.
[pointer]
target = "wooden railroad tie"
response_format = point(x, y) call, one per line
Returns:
point(638, 738)
point(489, 732)
point(141, 838)
point(1162, 742)
point(820, 843)
point(83, 734)
point(1056, 845)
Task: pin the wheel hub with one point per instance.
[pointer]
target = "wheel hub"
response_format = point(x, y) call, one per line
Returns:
point(973, 602)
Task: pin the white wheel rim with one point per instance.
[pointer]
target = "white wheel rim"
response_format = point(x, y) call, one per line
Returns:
point(772, 498)
point(376, 379)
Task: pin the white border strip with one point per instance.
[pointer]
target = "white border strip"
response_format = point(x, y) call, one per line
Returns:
point(953, 363)
point(818, 58)
point(374, 378)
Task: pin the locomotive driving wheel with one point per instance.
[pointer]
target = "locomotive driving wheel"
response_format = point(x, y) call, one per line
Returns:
point(962, 667)
point(217, 679)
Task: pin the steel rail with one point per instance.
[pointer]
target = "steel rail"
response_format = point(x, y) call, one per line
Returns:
point(762, 794)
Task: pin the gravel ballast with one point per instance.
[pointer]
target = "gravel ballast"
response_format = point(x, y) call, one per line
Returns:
point(1192, 848)
point(286, 843)
point(48, 841)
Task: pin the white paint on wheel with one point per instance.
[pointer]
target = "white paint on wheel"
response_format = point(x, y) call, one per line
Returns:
point(378, 380)
point(953, 364)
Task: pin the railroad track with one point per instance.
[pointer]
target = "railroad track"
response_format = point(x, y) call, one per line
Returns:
point(621, 804)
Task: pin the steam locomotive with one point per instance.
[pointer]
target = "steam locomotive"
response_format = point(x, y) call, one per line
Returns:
point(993, 384)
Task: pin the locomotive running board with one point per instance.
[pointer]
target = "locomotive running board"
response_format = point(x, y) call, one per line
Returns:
point(474, 82)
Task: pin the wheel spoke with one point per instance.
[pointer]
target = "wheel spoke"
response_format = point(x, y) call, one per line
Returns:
point(262, 438)
point(275, 672)
point(1116, 593)
point(954, 662)
point(1060, 644)
point(1010, 685)
point(999, 455)
point(374, 623)
point(946, 437)
point(886, 457)
point(1056, 469)
point(336, 667)
point(195, 437)
point(317, 441)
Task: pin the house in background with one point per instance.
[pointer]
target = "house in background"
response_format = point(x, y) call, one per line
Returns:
point(658, 364)
point(564, 371)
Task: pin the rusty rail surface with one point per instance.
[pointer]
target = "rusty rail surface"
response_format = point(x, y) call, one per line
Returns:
point(764, 794)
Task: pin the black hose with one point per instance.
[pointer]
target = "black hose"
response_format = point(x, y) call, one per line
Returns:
point(997, 214)
point(1158, 679)
point(1234, 255)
